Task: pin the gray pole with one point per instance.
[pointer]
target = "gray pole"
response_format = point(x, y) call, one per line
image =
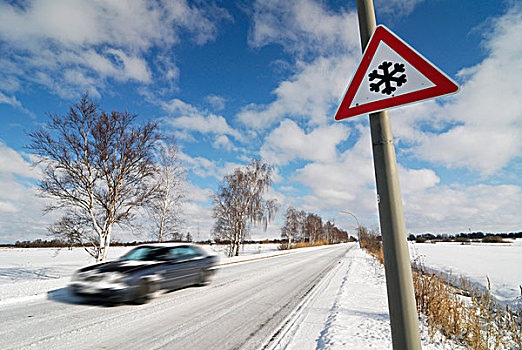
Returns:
point(399, 283)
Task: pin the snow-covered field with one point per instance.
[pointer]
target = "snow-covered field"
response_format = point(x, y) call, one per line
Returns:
point(27, 273)
point(501, 262)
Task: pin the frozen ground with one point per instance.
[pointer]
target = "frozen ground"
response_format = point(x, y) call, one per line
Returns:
point(502, 263)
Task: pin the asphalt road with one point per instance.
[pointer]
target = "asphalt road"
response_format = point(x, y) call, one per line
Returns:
point(242, 307)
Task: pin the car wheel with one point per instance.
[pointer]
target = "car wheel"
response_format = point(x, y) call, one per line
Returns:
point(143, 292)
point(204, 277)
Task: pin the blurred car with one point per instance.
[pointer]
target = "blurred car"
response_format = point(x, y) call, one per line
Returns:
point(143, 271)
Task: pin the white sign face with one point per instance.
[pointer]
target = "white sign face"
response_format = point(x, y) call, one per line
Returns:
point(394, 76)
point(391, 74)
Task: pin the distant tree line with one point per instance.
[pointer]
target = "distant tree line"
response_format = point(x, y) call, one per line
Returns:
point(58, 243)
point(300, 226)
point(465, 237)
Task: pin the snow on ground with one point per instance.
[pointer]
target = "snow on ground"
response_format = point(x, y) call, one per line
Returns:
point(348, 310)
point(27, 273)
point(501, 262)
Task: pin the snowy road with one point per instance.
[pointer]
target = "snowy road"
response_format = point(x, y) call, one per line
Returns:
point(240, 309)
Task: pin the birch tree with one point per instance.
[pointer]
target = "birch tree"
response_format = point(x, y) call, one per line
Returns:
point(313, 228)
point(291, 227)
point(97, 168)
point(165, 208)
point(239, 203)
point(330, 232)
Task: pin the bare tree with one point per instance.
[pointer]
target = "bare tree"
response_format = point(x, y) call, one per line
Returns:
point(330, 231)
point(97, 168)
point(240, 202)
point(313, 228)
point(291, 227)
point(301, 218)
point(368, 238)
point(165, 208)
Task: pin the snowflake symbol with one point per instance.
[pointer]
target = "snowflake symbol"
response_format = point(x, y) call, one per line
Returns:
point(387, 77)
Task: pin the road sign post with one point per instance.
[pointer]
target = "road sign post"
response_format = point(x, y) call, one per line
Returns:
point(399, 282)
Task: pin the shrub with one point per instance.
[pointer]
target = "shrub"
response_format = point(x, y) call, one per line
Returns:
point(420, 239)
point(462, 312)
point(493, 239)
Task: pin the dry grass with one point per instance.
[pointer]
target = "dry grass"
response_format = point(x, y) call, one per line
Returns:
point(460, 311)
point(284, 246)
point(307, 244)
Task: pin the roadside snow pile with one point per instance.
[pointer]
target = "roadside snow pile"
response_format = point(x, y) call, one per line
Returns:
point(348, 310)
point(477, 261)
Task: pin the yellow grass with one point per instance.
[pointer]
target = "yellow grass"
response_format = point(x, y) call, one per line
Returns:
point(459, 311)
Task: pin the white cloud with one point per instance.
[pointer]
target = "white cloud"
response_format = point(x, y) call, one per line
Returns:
point(13, 102)
point(20, 208)
point(303, 27)
point(288, 141)
point(97, 40)
point(396, 8)
point(326, 47)
point(198, 220)
point(415, 180)
point(195, 193)
point(12, 162)
point(134, 68)
point(456, 208)
point(223, 142)
point(344, 183)
point(7, 207)
point(204, 167)
point(480, 127)
point(192, 119)
point(217, 102)
point(310, 93)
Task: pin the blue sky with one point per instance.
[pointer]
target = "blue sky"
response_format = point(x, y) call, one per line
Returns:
point(243, 79)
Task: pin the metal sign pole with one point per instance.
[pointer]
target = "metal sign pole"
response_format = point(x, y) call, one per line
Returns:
point(399, 282)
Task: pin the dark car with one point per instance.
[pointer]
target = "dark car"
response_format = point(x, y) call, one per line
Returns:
point(143, 271)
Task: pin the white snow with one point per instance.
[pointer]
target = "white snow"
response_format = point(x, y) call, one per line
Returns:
point(501, 262)
point(348, 310)
point(28, 273)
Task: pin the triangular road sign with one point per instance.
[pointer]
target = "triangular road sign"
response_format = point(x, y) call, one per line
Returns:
point(392, 74)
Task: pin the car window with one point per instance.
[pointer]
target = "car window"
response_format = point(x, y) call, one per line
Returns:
point(139, 253)
point(184, 251)
point(147, 254)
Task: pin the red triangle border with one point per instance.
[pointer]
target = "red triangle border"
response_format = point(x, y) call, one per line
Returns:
point(443, 84)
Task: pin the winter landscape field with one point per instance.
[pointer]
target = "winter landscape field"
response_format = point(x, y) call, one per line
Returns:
point(500, 262)
point(346, 308)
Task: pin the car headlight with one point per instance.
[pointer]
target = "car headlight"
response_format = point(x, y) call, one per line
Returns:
point(114, 277)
